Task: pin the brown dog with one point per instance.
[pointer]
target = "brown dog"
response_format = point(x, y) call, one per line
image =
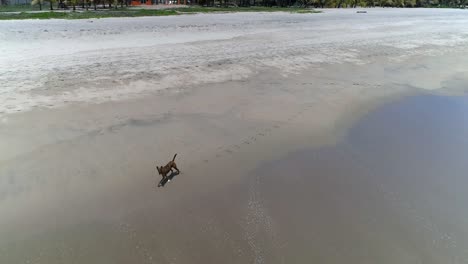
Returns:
point(168, 168)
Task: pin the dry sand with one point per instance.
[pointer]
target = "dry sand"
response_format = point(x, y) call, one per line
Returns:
point(88, 108)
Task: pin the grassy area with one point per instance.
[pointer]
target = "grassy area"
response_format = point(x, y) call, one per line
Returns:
point(306, 11)
point(244, 9)
point(131, 12)
point(20, 8)
point(87, 14)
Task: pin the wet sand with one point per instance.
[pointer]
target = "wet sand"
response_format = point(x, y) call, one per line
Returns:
point(78, 179)
point(393, 191)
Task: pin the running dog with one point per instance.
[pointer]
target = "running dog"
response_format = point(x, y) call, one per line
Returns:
point(168, 168)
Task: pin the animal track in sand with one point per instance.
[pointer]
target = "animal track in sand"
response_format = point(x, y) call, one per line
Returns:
point(265, 131)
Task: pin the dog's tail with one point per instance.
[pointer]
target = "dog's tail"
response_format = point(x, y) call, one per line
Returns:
point(174, 157)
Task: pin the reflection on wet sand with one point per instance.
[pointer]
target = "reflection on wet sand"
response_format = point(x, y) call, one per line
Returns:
point(393, 191)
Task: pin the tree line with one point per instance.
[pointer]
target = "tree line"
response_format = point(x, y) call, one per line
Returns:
point(82, 4)
point(330, 3)
point(337, 3)
point(103, 4)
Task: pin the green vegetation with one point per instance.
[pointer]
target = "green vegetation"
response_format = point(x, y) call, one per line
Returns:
point(243, 9)
point(87, 14)
point(335, 3)
point(24, 15)
point(21, 12)
point(119, 8)
point(306, 11)
point(17, 8)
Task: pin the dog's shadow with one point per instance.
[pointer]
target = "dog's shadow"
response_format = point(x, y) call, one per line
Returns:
point(168, 178)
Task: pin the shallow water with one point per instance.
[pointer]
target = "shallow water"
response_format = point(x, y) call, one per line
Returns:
point(393, 191)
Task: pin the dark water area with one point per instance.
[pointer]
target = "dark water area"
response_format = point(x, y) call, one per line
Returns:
point(394, 190)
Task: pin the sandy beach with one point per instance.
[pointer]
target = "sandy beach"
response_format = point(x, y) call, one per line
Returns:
point(88, 108)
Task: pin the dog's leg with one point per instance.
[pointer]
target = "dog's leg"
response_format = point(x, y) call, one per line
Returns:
point(177, 169)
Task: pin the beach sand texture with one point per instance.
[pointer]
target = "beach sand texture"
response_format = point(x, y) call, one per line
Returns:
point(88, 108)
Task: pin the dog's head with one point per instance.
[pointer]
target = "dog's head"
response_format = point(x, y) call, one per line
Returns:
point(159, 169)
